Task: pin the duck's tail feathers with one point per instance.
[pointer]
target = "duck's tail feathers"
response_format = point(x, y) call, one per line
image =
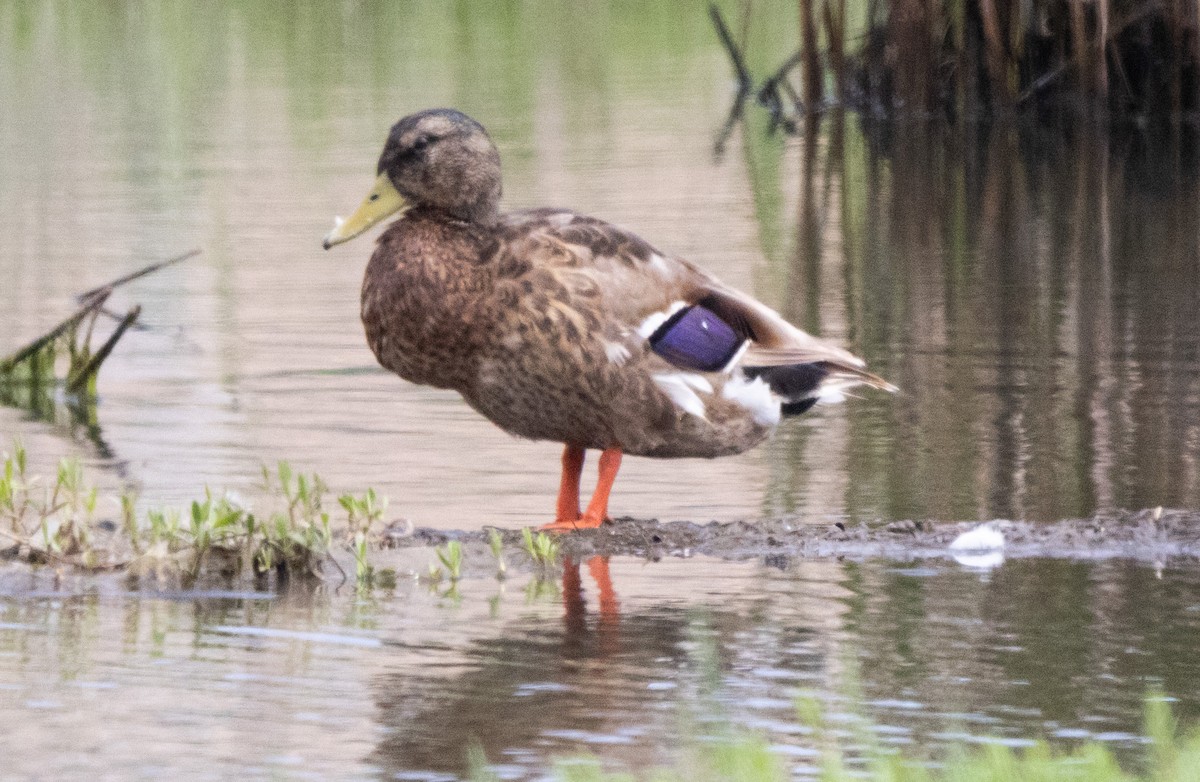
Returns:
point(803, 385)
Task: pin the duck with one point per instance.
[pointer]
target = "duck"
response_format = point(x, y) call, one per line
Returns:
point(562, 327)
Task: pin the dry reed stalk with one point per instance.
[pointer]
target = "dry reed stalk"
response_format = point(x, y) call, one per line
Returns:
point(31, 351)
point(913, 34)
point(810, 46)
point(968, 57)
point(835, 38)
point(735, 53)
point(1079, 47)
point(1103, 13)
point(956, 18)
point(994, 44)
point(1175, 58)
point(1113, 30)
point(1195, 47)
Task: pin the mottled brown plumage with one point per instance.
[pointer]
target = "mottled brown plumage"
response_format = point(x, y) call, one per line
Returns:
point(539, 318)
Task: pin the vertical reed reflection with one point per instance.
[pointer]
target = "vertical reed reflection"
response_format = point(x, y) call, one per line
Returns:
point(1032, 291)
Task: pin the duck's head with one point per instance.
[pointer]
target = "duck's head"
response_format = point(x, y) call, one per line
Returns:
point(439, 158)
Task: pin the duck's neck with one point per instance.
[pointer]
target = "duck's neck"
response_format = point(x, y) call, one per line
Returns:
point(479, 204)
point(483, 213)
point(424, 288)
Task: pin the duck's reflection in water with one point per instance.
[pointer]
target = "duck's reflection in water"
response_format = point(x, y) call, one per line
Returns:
point(605, 639)
point(535, 689)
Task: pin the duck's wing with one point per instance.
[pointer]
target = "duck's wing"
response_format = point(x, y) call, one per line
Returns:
point(592, 265)
point(642, 288)
point(776, 343)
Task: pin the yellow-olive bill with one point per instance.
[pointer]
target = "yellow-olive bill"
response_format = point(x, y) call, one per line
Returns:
point(382, 202)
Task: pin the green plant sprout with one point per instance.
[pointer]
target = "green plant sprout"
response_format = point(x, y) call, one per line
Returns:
point(363, 572)
point(55, 523)
point(541, 548)
point(362, 512)
point(496, 544)
point(433, 576)
point(451, 557)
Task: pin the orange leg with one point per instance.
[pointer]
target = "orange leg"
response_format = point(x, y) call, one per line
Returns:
point(597, 510)
point(568, 489)
point(567, 508)
point(568, 517)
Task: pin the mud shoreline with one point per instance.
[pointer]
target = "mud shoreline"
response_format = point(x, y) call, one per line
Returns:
point(1152, 535)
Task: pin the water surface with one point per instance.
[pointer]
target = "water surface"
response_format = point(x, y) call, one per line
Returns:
point(1032, 294)
point(101, 681)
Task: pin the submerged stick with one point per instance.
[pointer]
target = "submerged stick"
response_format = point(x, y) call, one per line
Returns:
point(768, 94)
point(736, 110)
point(130, 278)
point(118, 317)
point(769, 90)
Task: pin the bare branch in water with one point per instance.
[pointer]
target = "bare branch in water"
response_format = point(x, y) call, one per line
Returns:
point(85, 364)
point(7, 364)
point(78, 380)
point(83, 297)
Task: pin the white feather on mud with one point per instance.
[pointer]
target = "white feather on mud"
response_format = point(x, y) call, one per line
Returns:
point(981, 548)
point(985, 537)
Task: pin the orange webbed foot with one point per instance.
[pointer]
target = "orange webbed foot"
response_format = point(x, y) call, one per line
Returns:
point(569, 518)
point(570, 525)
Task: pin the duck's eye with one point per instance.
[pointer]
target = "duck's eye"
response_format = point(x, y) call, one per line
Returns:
point(420, 143)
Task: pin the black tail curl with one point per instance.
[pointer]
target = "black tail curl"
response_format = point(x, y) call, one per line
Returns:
point(796, 383)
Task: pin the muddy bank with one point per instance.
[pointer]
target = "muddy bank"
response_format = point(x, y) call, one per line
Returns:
point(1152, 535)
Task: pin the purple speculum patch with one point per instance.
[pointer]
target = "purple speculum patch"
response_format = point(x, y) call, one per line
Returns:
point(695, 338)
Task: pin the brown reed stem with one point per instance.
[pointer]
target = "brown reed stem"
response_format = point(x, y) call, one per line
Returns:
point(812, 75)
point(994, 46)
point(835, 38)
point(7, 364)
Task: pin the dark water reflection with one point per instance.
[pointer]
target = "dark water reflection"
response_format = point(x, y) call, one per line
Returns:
point(934, 653)
point(1033, 292)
